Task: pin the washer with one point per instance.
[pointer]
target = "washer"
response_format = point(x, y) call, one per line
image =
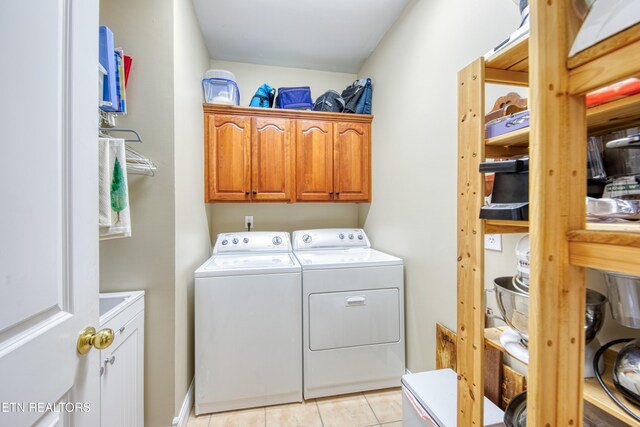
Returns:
point(353, 313)
point(248, 335)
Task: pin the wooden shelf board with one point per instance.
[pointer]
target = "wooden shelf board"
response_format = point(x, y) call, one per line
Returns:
point(605, 250)
point(514, 57)
point(593, 393)
point(506, 77)
point(618, 114)
point(496, 226)
point(605, 47)
point(614, 115)
point(517, 138)
point(631, 240)
point(617, 65)
point(632, 227)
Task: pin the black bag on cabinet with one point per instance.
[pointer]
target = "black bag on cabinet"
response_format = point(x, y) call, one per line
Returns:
point(351, 96)
point(329, 101)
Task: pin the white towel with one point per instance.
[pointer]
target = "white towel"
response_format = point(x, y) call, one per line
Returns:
point(104, 183)
point(117, 190)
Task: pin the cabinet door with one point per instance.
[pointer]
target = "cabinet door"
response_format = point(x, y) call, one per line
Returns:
point(227, 157)
point(271, 159)
point(352, 161)
point(314, 166)
point(122, 377)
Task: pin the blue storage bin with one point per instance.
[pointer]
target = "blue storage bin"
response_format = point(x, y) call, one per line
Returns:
point(109, 96)
point(221, 91)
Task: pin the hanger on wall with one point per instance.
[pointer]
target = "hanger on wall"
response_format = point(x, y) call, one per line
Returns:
point(105, 131)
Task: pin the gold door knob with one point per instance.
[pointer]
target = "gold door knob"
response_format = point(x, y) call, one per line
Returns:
point(89, 337)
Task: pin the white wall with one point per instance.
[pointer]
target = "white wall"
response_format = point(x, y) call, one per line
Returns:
point(413, 214)
point(145, 260)
point(226, 217)
point(192, 243)
point(250, 76)
point(281, 216)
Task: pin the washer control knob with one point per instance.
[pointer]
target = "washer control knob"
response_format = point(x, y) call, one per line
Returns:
point(277, 240)
point(225, 242)
point(245, 240)
point(341, 236)
point(350, 236)
point(306, 238)
point(235, 241)
point(360, 237)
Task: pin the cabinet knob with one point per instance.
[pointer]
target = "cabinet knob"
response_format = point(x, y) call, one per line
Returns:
point(255, 192)
point(331, 193)
point(338, 193)
point(246, 193)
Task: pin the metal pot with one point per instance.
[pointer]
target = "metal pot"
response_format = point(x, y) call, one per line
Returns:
point(622, 156)
point(515, 415)
point(624, 298)
point(594, 314)
point(626, 371)
point(514, 307)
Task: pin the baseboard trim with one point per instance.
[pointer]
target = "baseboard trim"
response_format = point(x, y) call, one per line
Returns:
point(183, 417)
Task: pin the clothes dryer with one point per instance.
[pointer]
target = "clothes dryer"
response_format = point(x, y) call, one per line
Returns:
point(353, 313)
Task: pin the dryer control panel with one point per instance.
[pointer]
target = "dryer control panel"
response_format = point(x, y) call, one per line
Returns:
point(254, 241)
point(330, 238)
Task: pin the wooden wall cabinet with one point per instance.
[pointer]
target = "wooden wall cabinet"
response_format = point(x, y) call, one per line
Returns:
point(314, 164)
point(227, 157)
point(333, 161)
point(351, 161)
point(247, 158)
point(271, 159)
point(274, 155)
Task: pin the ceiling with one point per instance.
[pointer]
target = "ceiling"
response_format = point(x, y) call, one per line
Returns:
point(331, 35)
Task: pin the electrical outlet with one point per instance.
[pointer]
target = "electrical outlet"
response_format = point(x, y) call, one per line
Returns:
point(493, 242)
point(248, 220)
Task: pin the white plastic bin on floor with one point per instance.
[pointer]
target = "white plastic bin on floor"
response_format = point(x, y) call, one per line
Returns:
point(429, 399)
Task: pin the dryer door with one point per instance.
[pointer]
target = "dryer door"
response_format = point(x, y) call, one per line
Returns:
point(354, 318)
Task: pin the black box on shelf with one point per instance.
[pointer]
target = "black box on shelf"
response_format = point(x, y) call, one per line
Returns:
point(510, 194)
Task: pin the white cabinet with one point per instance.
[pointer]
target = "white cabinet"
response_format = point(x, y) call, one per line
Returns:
point(122, 363)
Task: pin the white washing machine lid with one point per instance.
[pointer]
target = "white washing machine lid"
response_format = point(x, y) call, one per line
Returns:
point(245, 264)
point(345, 258)
point(436, 392)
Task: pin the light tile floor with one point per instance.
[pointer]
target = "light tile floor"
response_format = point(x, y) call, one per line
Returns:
point(373, 408)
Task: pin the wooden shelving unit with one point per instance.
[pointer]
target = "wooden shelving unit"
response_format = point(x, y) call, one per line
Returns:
point(562, 243)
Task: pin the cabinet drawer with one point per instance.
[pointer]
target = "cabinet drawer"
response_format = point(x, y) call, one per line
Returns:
point(354, 318)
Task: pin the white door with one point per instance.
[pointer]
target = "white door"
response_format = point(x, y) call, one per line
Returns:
point(48, 212)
